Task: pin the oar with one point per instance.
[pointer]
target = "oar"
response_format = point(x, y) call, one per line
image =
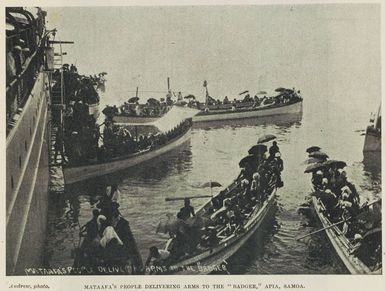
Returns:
point(182, 198)
point(317, 231)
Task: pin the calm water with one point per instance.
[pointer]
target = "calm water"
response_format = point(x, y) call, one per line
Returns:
point(333, 58)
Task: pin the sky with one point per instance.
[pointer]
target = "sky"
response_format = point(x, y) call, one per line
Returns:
point(329, 52)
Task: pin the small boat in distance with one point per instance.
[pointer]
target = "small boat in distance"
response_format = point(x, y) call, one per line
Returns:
point(286, 102)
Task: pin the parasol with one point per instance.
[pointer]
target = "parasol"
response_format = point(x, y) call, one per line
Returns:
point(314, 167)
point(280, 89)
point(318, 155)
point(313, 149)
point(171, 224)
point(244, 92)
point(266, 138)
point(133, 99)
point(152, 101)
point(247, 161)
point(211, 184)
point(198, 221)
point(257, 149)
point(337, 164)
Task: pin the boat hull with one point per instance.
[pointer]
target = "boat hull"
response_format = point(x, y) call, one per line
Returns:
point(27, 167)
point(221, 115)
point(76, 174)
point(211, 259)
point(258, 112)
point(339, 243)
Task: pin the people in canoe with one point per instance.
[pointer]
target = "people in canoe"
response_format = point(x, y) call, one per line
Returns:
point(108, 241)
point(284, 96)
point(227, 214)
point(361, 223)
point(86, 146)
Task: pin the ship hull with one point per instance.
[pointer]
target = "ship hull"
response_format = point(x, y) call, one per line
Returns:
point(372, 141)
point(27, 153)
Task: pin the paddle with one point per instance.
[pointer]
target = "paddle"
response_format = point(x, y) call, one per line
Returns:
point(182, 198)
point(317, 231)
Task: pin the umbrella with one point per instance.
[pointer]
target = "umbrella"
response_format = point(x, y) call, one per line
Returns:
point(244, 92)
point(280, 89)
point(189, 97)
point(152, 101)
point(133, 99)
point(247, 161)
point(266, 138)
point(171, 224)
point(313, 149)
point(312, 161)
point(198, 221)
point(314, 167)
point(108, 111)
point(211, 184)
point(258, 149)
point(261, 92)
point(318, 155)
point(338, 164)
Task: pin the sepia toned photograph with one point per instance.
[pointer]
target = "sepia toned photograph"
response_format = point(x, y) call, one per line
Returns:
point(193, 140)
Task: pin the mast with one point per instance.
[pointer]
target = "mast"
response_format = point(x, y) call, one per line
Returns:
point(207, 92)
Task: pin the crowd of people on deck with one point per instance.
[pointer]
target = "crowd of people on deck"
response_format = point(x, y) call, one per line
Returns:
point(22, 42)
point(342, 204)
point(227, 213)
point(108, 240)
point(79, 135)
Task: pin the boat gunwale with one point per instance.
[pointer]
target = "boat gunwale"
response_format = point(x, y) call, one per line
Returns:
point(233, 238)
point(132, 155)
point(340, 242)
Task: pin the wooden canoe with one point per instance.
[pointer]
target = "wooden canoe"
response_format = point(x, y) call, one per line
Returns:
point(225, 114)
point(207, 260)
point(73, 174)
point(341, 245)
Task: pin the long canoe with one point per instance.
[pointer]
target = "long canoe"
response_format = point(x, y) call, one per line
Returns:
point(207, 260)
point(341, 245)
point(270, 110)
point(73, 174)
point(218, 114)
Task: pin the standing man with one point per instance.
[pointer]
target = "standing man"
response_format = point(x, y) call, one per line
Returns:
point(186, 211)
point(59, 144)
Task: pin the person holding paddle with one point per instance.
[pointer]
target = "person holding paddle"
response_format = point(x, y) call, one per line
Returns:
point(187, 210)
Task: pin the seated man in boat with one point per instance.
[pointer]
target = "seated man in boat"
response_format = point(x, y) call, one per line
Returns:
point(273, 150)
point(255, 187)
point(317, 179)
point(226, 100)
point(90, 230)
point(187, 210)
point(330, 200)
